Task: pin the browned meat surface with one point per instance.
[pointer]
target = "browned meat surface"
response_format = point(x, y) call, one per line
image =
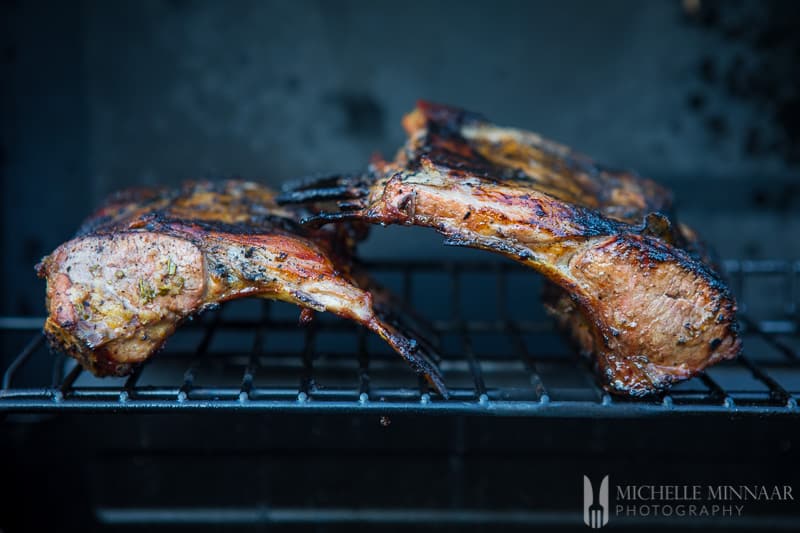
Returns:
point(630, 286)
point(151, 258)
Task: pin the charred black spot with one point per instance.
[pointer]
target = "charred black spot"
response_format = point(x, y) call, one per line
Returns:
point(219, 270)
point(254, 275)
point(656, 250)
point(255, 226)
point(594, 224)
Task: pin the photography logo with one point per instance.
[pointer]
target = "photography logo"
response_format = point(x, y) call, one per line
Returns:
point(595, 512)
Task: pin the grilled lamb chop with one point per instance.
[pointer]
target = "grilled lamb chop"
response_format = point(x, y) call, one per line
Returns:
point(151, 258)
point(632, 288)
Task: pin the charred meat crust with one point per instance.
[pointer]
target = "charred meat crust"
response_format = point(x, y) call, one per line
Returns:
point(150, 259)
point(607, 238)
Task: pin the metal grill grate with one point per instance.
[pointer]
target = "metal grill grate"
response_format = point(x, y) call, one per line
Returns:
point(501, 356)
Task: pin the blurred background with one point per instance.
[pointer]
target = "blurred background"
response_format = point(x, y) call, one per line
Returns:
point(700, 95)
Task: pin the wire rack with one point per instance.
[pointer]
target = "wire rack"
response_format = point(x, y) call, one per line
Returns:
point(501, 356)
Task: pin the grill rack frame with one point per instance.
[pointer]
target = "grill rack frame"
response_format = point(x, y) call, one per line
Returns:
point(62, 394)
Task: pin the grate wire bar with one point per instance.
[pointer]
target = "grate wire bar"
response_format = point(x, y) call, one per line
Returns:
point(536, 376)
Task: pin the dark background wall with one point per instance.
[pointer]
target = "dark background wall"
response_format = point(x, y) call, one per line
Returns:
point(700, 95)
